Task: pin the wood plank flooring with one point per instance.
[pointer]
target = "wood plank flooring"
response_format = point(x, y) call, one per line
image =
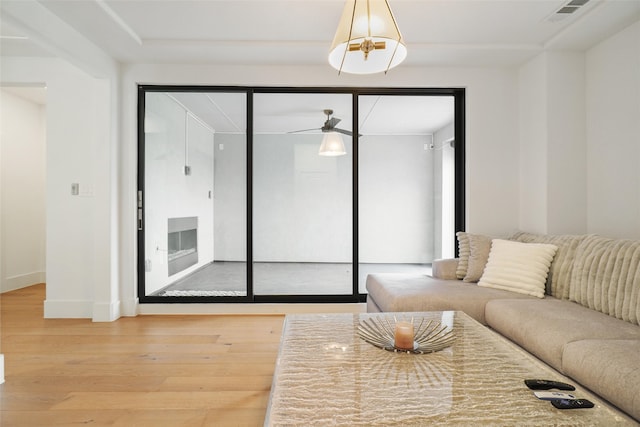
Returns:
point(213, 370)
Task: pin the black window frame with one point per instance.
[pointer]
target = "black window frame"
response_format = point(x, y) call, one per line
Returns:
point(459, 95)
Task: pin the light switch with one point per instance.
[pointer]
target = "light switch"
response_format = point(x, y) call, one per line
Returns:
point(75, 189)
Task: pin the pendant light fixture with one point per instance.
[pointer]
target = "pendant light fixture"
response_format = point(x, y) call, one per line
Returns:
point(368, 39)
point(332, 145)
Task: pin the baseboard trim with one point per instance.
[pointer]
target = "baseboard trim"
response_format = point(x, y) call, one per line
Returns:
point(23, 280)
point(129, 307)
point(251, 308)
point(68, 309)
point(106, 311)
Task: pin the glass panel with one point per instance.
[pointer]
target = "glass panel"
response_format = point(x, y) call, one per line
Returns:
point(195, 194)
point(405, 205)
point(302, 201)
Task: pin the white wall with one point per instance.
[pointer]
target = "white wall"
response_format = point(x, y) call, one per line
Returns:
point(174, 139)
point(552, 144)
point(613, 135)
point(396, 209)
point(79, 237)
point(580, 139)
point(444, 192)
point(533, 145)
point(22, 141)
point(230, 196)
point(301, 201)
point(566, 155)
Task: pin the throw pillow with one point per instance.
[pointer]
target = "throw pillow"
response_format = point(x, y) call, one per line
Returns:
point(518, 267)
point(479, 248)
point(466, 255)
point(463, 254)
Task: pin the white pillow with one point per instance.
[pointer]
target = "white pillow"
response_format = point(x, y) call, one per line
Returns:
point(518, 267)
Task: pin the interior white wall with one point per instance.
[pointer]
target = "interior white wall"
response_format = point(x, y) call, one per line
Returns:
point(396, 209)
point(385, 165)
point(174, 139)
point(532, 139)
point(552, 144)
point(301, 201)
point(79, 238)
point(230, 196)
point(23, 145)
point(566, 149)
point(444, 192)
point(613, 135)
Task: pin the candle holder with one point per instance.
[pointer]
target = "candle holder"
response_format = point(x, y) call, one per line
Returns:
point(429, 336)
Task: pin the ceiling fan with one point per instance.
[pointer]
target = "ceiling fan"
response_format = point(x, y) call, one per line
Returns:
point(329, 125)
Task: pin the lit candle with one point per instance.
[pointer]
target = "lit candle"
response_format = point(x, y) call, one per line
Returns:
point(404, 335)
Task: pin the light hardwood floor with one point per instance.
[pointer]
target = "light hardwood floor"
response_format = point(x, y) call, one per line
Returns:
point(213, 370)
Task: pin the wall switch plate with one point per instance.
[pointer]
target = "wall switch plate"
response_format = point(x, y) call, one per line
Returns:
point(75, 189)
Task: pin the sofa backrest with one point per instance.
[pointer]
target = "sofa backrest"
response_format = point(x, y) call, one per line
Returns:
point(606, 277)
point(559, 279)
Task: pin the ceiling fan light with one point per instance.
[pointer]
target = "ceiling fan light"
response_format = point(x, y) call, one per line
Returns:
point(368, 39)
point(332, 145)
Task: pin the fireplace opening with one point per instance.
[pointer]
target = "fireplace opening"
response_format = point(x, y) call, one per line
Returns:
point(182, 243)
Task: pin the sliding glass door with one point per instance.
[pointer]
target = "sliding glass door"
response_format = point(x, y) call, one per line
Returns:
point(294, 195)
point(302, 198)
point(405, 195)
point(193, 200)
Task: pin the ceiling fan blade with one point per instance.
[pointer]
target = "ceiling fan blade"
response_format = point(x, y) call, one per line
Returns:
point(346, 132)
point(304, 130)
point(342, 131)
point(332, 122)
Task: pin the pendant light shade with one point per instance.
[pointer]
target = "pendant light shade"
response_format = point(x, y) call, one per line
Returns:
point(332, 145)
point(368, 39)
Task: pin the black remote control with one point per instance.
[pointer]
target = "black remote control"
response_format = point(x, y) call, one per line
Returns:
point(572, 403)
point(548, 385)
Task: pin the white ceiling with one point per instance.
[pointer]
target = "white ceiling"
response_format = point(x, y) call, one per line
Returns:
point(437, 32)
point(283, 113)
point(457, 33)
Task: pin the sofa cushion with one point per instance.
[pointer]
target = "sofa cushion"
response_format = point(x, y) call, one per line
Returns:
point(558, 281)
point(545, 326)
point(518, 267)
point(606, 277)
point(444, 268)
point(392, 292)
point(609, 367)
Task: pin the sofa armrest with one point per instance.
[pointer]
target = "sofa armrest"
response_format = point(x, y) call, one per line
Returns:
point(444, 268)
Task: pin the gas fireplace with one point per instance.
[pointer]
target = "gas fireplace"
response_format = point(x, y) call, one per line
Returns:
point(182, 243)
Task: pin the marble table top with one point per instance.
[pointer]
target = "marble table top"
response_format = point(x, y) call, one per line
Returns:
point(327, 375)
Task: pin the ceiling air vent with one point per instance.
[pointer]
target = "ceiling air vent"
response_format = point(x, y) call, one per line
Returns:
point(567, 9)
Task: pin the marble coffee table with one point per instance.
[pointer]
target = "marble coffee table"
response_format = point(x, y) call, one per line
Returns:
point(327, 375)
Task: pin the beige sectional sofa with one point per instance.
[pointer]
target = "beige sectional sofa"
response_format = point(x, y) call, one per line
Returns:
point(586, 325)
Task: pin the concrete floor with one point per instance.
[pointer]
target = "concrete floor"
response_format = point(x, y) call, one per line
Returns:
point(229, 278)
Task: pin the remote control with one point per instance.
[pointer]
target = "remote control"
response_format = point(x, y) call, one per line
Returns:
point(572, 403)
point(548, 385)
point(552, 395)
